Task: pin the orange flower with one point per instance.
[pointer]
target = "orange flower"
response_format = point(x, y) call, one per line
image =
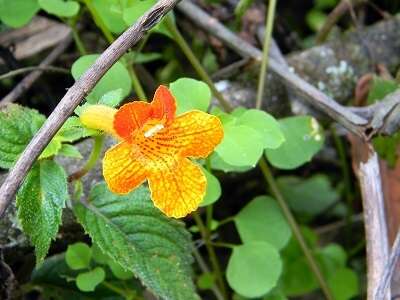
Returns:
point(155, 145)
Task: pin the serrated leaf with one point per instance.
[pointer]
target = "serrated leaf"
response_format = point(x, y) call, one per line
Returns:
point(73, 130)
point(116, 77)
point(303, 139)
point(88, 281)
point(17, 13)
point(140, 238)
point(52, 148)
point(40, 201)
point(241, 145)
point(380, 88)
point(265, 124)
point(254, 269)
point(78, 256)
point(118, 271)
point(61, 8)
point(70, 151)
point(190, 94)
point(262, 220)
point(213, 191)
point(18, 125)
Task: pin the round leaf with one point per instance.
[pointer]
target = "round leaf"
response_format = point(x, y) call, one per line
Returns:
point(254, 269)
point(111, 17)
point(206, 281)
point(117, 77)
point(303, 139)
point(60, 8)
point(344, 284)
point(17, 13)
point(262, 220)
point(265, 124)
point(191, 94)
point(78, 256)
point(213, 191)
point(241, 145)
point(88, 281)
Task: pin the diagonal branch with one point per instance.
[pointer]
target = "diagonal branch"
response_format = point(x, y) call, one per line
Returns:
point(75, 95)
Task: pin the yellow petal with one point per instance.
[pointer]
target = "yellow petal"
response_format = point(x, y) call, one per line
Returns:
point(99, 117)
point(121, 169)
point(178, 190)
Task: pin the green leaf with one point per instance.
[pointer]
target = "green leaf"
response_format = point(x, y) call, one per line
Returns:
point(78, 256)
point(213, 191)
point(143, 58)
point(265, 124)
point(17, 13)
point(303, 139)
point(112, 18)
point(116, 77)
point(18, 124)
point(262, 220)
point(241, 145)
point(112, 98)
point(380, 88)
point(332, 258)
point(60, 8)
point(242, 7)
point(254, 269)
point(52, 148)
point(98, 255)
point(190, 94)
point(88, 281)
point(218, 164)
point(275, 294)
point(40, 201)
point(344, 284)
point(315, 19)
point(118, 271)
point(309, 196)
point(141, 239)
point(73, 130)
point(206, 281)
point(70, 151)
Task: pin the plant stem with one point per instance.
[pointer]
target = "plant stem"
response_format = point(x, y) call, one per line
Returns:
point(213, 257)
point(33, 68)
point(226, 221)
point(110, 38)
point(223, 245)
point(195, 63)
point(91, 162)
point(267, 41)
point(295, 228)
point(119, 291)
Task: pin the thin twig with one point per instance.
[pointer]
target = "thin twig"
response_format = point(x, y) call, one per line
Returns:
point(74, 96)
point(34, 68)
point(30, 79)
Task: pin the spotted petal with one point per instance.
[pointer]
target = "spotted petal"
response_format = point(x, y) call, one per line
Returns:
point(121, 169)
point(178, 190)
point(163, 104)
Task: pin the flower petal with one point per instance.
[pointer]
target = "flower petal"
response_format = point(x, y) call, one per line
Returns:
point(130, 117)
point(196, 133)
point(163, 104)
point(179, 190)
point(121, 170)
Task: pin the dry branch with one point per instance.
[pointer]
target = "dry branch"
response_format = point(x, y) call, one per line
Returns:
point(76, 94)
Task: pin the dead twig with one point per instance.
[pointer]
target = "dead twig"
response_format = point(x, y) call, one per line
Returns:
point(76, 94)
point(30, 79)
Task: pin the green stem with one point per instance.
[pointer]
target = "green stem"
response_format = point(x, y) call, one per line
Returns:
point(213, 257)
point(136, 83)
point(91, 162)
point(295, 228)
point(226, 221)
point(265, 57)
point(195, 63)
point(117, 290)
point(223, 245)
point(77, 39)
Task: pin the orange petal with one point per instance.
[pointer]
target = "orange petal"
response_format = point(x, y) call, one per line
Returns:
point(196, 133)
point(130, 117)
point(177, 191)
point(121, 170)
point(163, 104)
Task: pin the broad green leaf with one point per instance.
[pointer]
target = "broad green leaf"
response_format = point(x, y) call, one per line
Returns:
point(112, 18)
point(118, 271)
point(380, 88)
point(276, 294)
point(303, 139)
point(52, 148)
point(265, 124)
point(98, 255)
point(117, 77)
point(262, 220)
point(315, 19)
point(18, 124)
point(60, 8)
point(241, 145)
point(17, 13)
point(213, 191)
point(344, 284)
point(254, 269)
point(218, 164)
point(112, 98)
point(309, 196)
point(141, 239)
point(190, 94)
point(40, 201)
point(225, 117)
point(70, 151)
point(88, 281)
point(332, 258)
point(73, 130)
point(142, 58)
point(206, 281)
point(78, 256)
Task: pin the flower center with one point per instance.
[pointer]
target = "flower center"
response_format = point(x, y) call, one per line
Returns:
point(153, 130)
